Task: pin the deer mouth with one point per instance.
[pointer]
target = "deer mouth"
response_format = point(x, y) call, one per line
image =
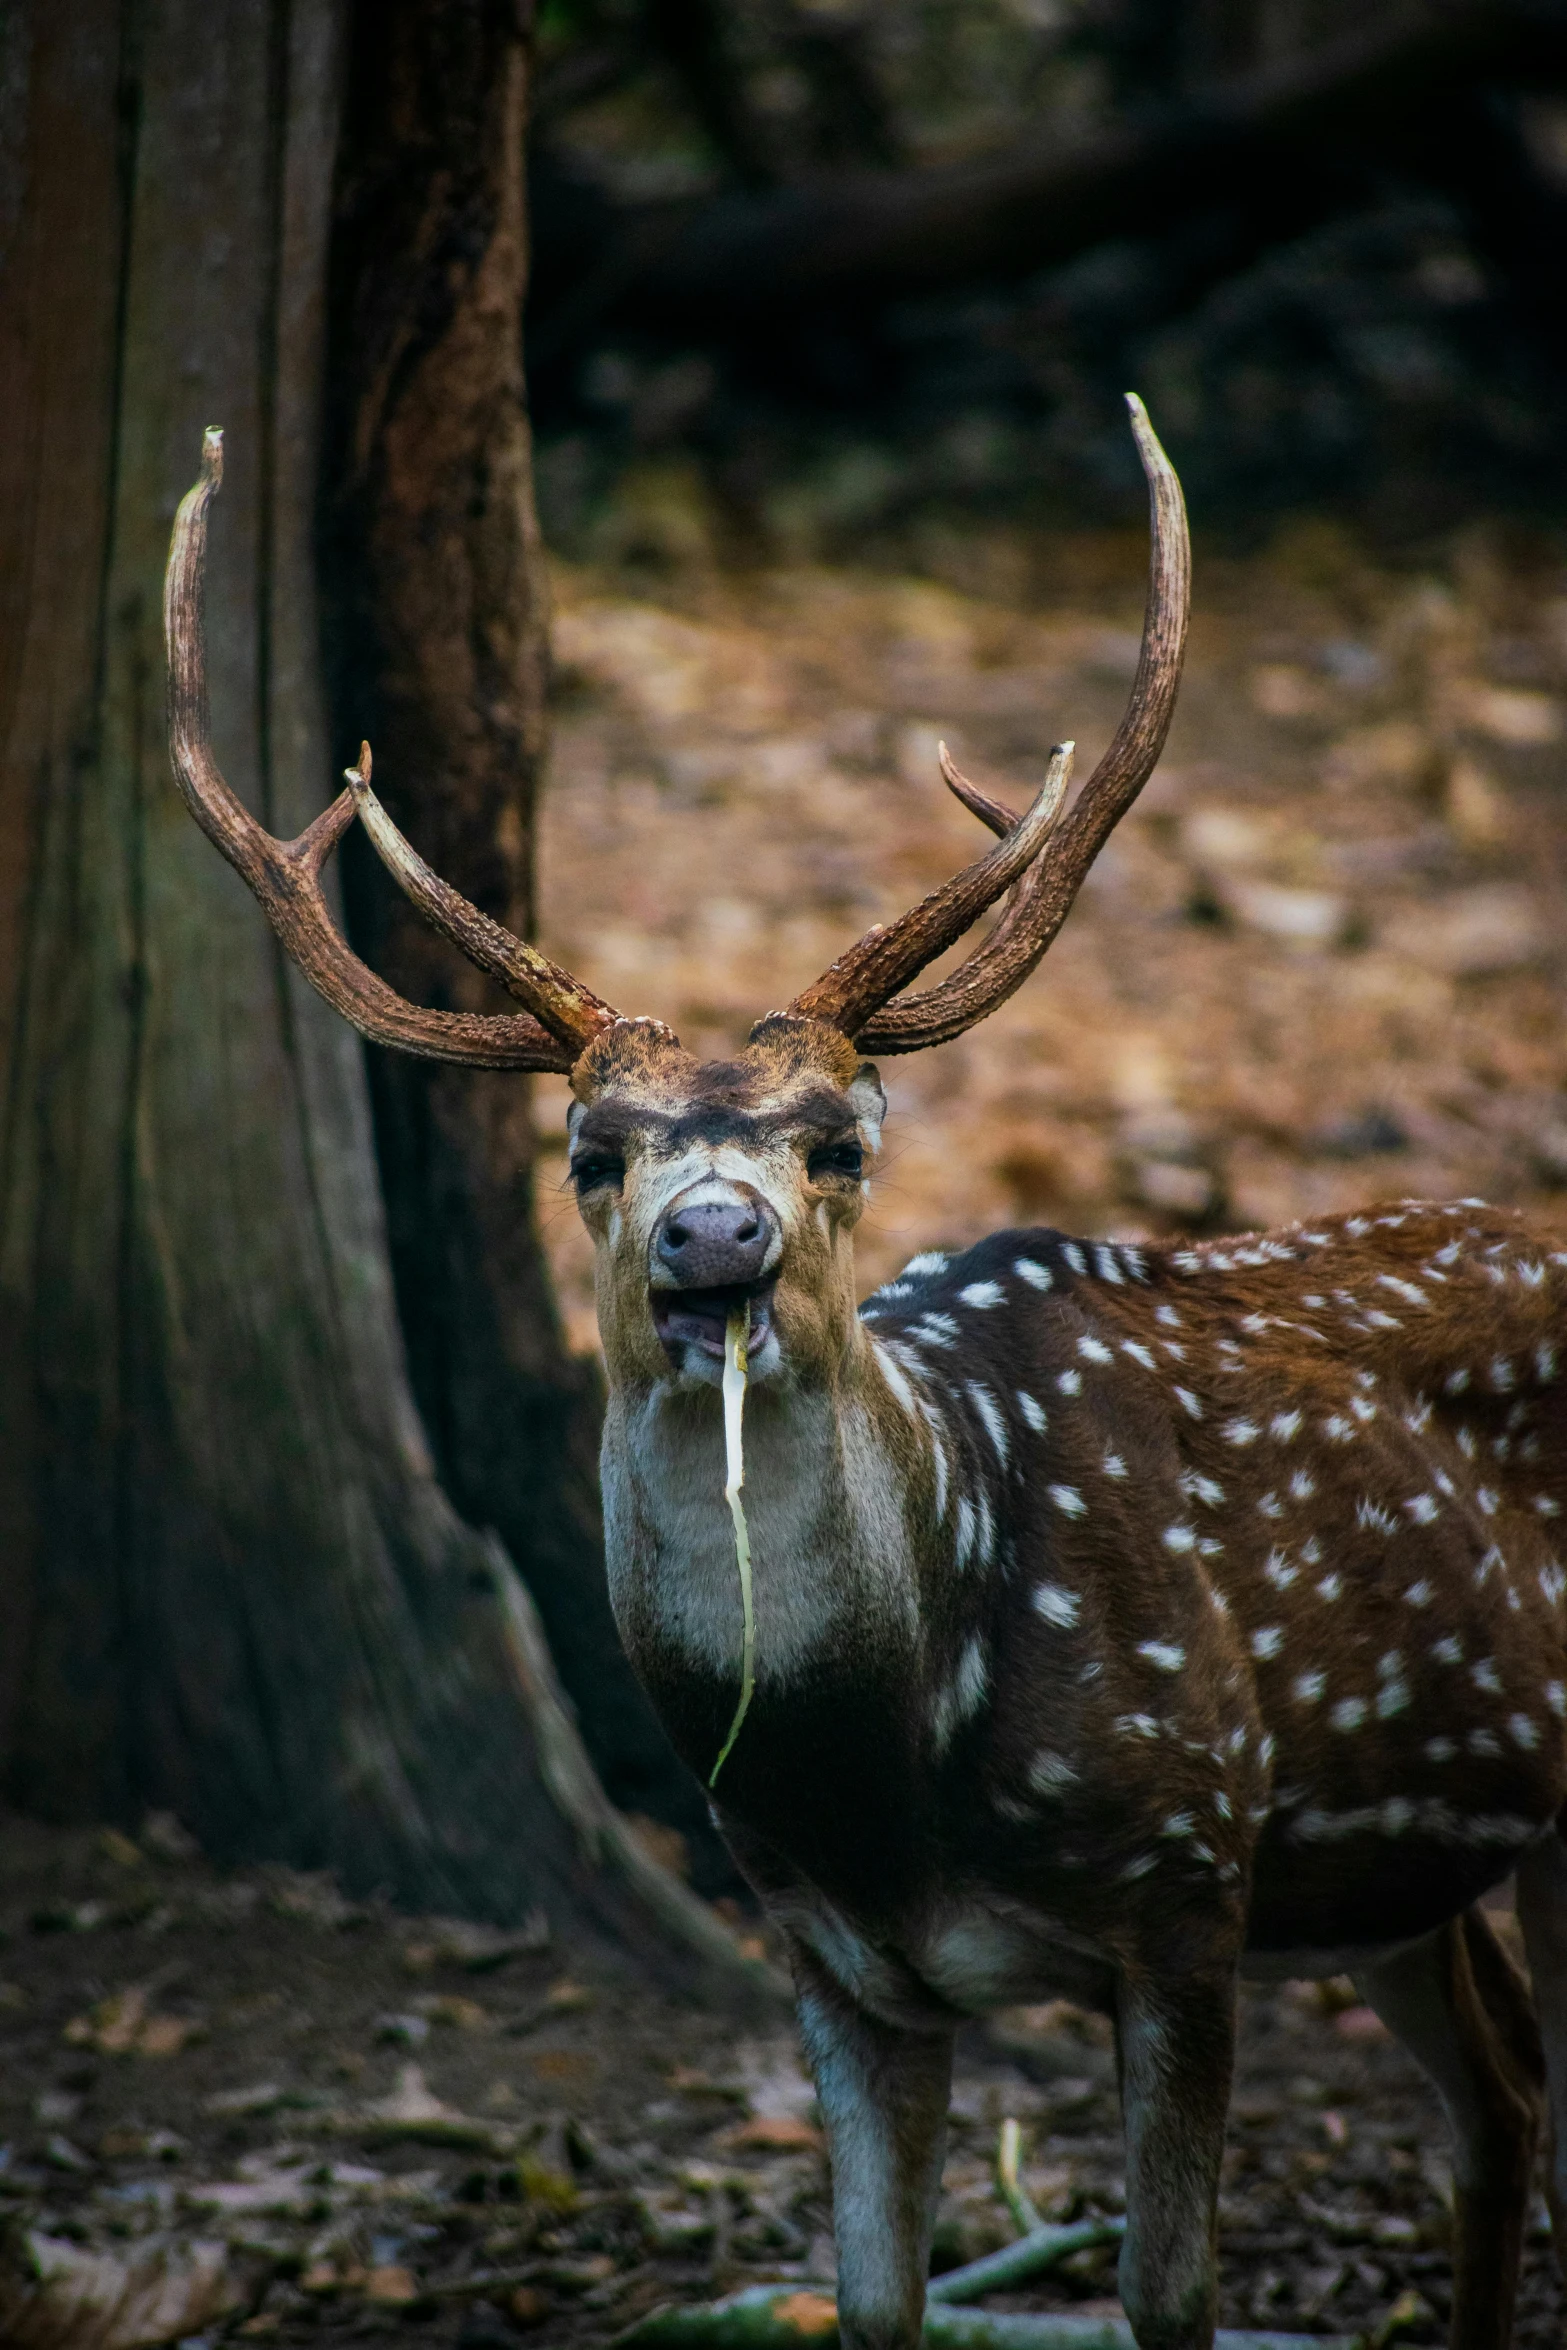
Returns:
point(699, 1317)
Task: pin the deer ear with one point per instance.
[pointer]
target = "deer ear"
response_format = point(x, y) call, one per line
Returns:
point(868, 1101)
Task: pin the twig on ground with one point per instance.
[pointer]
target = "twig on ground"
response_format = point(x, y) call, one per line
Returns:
point(781, 2317)
point(1030, 2256)
point(1026, 2216)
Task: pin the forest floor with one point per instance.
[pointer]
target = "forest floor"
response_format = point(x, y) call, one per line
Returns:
point(298, 2119)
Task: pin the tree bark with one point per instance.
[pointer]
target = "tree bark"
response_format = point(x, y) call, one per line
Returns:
point(231, 1582)
point(440, 627)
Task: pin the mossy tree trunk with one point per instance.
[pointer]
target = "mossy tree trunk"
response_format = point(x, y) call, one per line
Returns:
point(230, 1580)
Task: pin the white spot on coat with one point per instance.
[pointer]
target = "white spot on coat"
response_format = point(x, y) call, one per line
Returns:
point(989, 1411)
point(1048, 1773)
point(1164, 1653)
point(936, 1329)
point(964, 1694)
point(895, 1379)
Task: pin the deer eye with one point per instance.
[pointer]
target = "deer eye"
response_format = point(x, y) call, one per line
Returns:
point(845, 1159)
point(596, 1168)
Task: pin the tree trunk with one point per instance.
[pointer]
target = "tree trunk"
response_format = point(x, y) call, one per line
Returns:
point(440, 630)
point(231, 1582)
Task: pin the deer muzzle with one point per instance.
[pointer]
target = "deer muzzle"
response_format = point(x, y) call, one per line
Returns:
point(709, 1256)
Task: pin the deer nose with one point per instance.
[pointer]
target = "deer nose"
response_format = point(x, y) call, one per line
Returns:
point(713, 1243)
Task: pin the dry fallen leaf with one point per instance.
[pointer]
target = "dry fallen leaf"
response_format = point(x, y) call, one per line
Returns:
point(1360, 2023)
point(807, 2313)
point(56, 2295)
point(779, 2133)
point(449, 2007)
point(166, 2035)
point(393, 2287)
point(121, 2026)
point(112, 2025)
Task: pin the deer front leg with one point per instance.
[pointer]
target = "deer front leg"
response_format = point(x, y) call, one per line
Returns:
point(883, 2092)
point(1175, 2039)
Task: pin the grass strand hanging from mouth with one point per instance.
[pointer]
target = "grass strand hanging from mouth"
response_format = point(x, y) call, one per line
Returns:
point(737, 1343)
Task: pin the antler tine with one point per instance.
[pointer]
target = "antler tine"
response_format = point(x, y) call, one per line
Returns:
point(1041, 903)
point(853, 988)
point(568, 1009)
point(995, 813)
point(285, 875)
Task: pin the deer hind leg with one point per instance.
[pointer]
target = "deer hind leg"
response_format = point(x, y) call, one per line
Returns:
point(1542, 1912)
point(884, 2095)
point(1460, 2007)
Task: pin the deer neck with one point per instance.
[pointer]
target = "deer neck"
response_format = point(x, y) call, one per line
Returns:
point(832, 1502)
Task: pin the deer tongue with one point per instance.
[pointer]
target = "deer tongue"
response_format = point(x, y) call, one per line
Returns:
point(698, 1317)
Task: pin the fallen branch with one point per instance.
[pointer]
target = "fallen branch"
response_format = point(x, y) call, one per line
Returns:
point(1043, 2247)
point(977, 2329)
point(781, 2317)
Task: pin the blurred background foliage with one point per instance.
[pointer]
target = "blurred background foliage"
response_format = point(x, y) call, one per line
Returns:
point(831, 265)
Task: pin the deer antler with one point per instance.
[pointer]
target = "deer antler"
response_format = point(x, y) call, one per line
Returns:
point(887, 957)
point(285, 875)
point(854, 994)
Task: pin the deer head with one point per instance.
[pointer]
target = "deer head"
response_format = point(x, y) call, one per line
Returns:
point(704, 1183)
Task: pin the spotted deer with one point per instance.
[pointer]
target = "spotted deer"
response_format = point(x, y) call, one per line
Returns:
point(1128, 1618)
